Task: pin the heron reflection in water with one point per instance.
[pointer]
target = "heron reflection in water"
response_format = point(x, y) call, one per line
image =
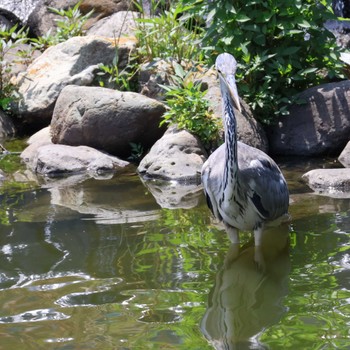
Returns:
point(244, 187)
point(245, 300)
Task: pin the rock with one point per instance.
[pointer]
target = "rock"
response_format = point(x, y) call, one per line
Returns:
point(71, 62)
point(344, 157)
point(42, 21)
point(178, 156)
point(8, 19)
point(106, 119)
point(104, 8)
point(332, 182)
point(42, 136)
point(319, 126)
point(7, 128)
point(58, 160)
point(22, 9)
point(119, 24)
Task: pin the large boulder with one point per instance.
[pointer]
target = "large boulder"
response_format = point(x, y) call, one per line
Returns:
point(72, 62)
point(106, 119)
point(178, 156)
point(319, 126)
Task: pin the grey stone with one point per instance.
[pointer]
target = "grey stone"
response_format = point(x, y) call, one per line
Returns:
point(57, 160)
point(106, 119)
point(72, 62)
point(332, 182)
point(319, 126)
point(119, 24)
point(178, 156)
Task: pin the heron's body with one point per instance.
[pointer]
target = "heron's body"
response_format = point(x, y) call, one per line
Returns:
point(244, 186)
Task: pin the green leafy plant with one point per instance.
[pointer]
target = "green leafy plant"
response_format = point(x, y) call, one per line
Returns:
point(137, 152)
point(10, 39)
point(188, 108)
point(121, 79)
point(167, 34)
point(71, 24)
point(281, 46)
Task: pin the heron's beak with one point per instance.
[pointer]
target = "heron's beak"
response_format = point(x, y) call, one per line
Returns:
point(232, 88)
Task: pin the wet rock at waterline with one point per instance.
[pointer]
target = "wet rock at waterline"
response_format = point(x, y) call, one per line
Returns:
point(331, 182)
point(45, 158)
point(178, 155)
point(106, 119)
point(344, 157)
point(320, 125)
point(74, 61)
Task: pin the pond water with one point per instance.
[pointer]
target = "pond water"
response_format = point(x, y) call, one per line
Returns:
point(121, 264)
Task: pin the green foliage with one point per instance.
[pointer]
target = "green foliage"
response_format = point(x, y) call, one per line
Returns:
point(71, 24)
point(137, 152)
point(121, 79)
point(188, 107)
point(281, 46)
point(166, 35)
point(10, 38)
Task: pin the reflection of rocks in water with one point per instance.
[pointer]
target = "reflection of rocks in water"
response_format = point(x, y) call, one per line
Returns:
point(312, 205)
point(172, 194)
point(113, 202)
point(246, 300)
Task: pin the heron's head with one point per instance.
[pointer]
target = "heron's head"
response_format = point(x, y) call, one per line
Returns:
point(226, 66)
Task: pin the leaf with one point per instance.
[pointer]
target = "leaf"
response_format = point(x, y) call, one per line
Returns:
point(290, 50)
point(242, 18)
point(304, 24)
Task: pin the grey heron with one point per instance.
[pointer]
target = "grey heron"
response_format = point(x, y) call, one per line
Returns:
point(245, 188)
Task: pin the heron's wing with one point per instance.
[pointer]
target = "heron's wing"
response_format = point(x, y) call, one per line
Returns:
point(212, 171)
point(264, 183)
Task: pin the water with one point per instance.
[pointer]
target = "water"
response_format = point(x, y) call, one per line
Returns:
point(103, 264)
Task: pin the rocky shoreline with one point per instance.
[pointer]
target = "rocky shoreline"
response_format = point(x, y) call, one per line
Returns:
point(89, 129)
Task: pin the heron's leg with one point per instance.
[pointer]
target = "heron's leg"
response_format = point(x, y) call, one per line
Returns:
point(258, 255)
point(258, 233)
point(233, 233)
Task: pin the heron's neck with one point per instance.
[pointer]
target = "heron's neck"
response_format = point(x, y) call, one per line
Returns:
point(231, 162)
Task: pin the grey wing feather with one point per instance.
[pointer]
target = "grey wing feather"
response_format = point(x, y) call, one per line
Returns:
point(212, 178)
point(264, 182)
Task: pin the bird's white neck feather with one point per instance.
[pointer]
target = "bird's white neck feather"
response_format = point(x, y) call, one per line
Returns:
point(231, 161)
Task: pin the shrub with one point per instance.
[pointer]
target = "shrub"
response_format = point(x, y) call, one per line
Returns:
point(166, 35)
point(188, 108)
point(10, 38)
point(281, 46)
